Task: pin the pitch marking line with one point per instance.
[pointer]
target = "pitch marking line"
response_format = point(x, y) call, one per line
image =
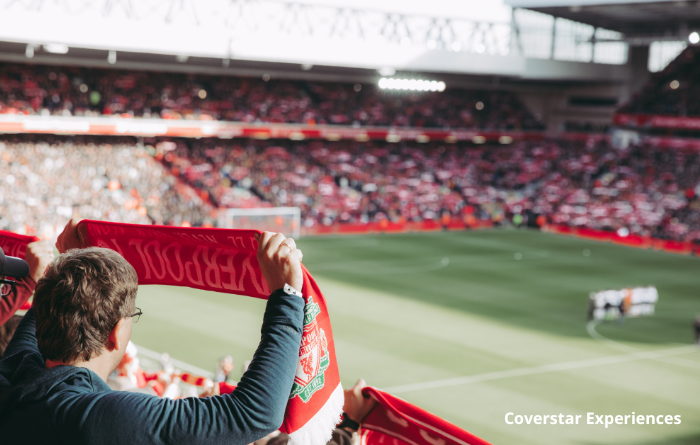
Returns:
point(534, 370)
point(590, 327)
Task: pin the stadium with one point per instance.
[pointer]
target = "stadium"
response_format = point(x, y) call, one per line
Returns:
point(500, 202)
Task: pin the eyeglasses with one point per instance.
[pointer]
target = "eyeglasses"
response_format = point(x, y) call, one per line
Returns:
point(137, 315)
point(7, 287)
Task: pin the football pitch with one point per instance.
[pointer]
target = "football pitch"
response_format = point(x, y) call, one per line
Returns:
point(473, 325)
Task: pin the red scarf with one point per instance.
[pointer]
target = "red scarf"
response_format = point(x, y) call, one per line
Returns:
point(396, 422)
point(224, 260)
point(14, 244)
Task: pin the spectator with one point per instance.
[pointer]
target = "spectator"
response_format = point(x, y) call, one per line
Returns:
point(223, 369)
point(355, 409)
point(74, 91)
point(44, 181)
point(643, 190)
point(38, 256)
point(70, 384)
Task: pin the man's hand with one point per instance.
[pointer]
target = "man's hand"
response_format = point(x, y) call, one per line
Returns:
point(356, 405)
point(39, 255)
point(68, 239)
point(280, 261)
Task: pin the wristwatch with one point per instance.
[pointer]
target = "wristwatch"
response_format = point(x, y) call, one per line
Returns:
point(348, 423)
point(289, 290)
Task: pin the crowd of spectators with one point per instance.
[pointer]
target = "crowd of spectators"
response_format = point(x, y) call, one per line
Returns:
point(673, 91)
point(641, 190)
point(44, 181)
point(74, 91)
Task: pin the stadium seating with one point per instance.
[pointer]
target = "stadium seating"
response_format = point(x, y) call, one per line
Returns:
point(644, 190)
point(47, 180)
point(673, 91)
point(72, 91)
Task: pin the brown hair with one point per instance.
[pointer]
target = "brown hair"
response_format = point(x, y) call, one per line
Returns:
point(79, 300)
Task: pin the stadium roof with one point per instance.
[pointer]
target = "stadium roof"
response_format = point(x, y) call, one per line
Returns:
point(634, 18)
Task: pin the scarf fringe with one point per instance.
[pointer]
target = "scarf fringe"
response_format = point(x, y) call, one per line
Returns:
point(319, 429)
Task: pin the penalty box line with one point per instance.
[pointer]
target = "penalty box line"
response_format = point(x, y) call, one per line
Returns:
point(534, 370)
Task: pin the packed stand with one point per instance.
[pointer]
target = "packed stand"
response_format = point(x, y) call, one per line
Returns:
point(73, 91)
point(642, 190)
point(673, 91)
point(44, 181)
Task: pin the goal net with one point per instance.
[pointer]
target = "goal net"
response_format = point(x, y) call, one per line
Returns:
point(285, 220)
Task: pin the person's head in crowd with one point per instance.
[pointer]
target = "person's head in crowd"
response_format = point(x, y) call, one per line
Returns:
point(7, 330)
point(84, 306)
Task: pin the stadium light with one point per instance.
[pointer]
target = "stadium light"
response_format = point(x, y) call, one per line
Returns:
point(411, 84)
point(694, 37)
point(56, 48)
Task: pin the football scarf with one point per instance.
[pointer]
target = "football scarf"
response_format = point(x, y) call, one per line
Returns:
point(225, 260)
point(14, 244)
point(393, 421)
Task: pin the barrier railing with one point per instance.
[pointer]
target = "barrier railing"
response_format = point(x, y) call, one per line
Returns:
point(124, 126)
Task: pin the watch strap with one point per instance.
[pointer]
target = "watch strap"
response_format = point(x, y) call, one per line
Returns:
point(349, 423)
point(289, 290)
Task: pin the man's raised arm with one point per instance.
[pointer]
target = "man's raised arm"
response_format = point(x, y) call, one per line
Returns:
point(254, 409)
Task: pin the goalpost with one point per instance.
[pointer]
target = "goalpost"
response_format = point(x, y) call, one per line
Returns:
point(285, 220)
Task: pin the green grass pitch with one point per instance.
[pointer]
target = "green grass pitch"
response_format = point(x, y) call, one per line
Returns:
point(455, 324)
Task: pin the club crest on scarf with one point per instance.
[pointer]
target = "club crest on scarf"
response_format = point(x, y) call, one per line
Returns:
point(313, 356)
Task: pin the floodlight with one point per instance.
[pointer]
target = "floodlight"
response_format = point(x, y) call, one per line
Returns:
point(410, 84)
point(56, 48)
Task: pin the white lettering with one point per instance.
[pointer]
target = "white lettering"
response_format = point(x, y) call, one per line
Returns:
point(211, 273)
point(137, 243)
point(155, 245)
point(195, 262)
point(180, 268)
